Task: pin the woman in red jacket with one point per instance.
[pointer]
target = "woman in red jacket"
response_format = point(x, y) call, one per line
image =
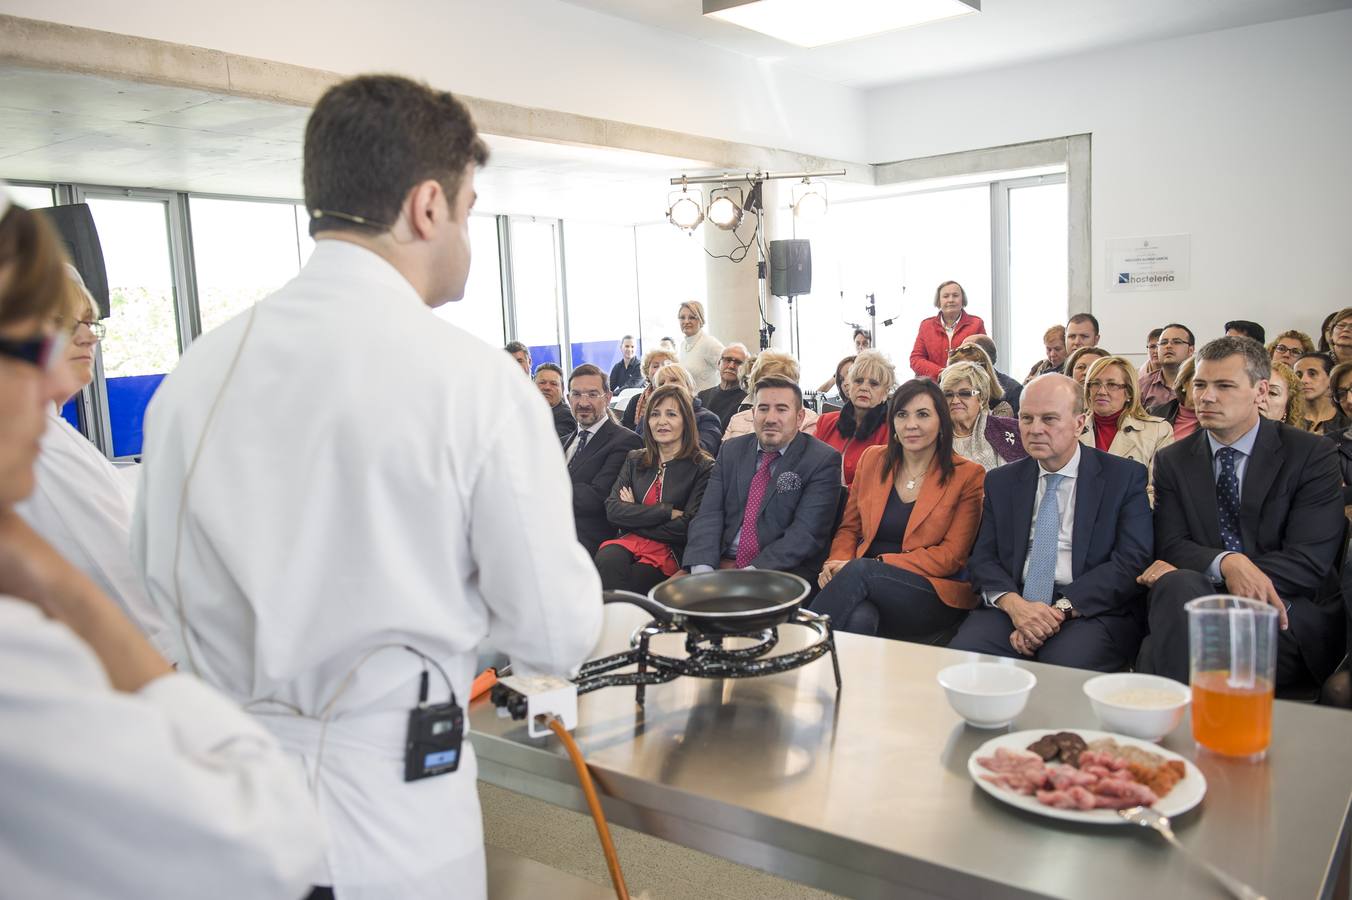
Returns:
point(943, 332)
point(862, 422)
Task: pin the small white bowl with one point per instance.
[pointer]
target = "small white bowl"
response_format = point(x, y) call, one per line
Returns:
point(987, 695)
point(1147, 722)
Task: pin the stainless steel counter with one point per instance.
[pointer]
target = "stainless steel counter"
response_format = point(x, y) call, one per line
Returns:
point(869, 796)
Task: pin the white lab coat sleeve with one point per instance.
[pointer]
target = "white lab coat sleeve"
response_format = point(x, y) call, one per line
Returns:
point(168, 793)
point(542, 591)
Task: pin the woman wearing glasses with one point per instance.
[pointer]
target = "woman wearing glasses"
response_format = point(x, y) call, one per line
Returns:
point(985, 439)
point(1290, 346)
point(862, 421)
point(657, 493)
point(700, 350)
point(81, 506)
point(1117, 422)
point(896, 564)
point(996, 402)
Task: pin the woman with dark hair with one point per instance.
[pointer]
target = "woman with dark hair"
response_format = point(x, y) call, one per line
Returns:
point(945, 331)
point(1323, 416)
point(862, 422)
point(657, 493)
point(837, 382)
point(896, 565)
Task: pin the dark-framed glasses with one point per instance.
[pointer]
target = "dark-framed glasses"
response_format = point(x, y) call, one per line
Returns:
point(96, 328)
point(43, 351)
point(1175, 342)
point(1286, 350)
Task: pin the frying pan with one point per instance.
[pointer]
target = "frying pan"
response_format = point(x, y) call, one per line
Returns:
point(724, 602)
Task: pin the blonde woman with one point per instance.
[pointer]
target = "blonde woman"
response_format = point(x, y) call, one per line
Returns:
point(1284, 401)
point(652, 361)
point(780, 365)
point(700, 350)
point(861, 422)
point(1117, 422)
point(978, 435)
point(996, 402)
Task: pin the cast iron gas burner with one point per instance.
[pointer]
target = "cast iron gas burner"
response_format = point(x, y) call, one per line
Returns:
point(707, 657)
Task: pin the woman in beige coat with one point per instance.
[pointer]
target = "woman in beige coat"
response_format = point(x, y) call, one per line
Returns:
point(1117, 423)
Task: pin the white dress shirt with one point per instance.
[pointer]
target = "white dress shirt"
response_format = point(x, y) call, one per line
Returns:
point(353, 494)
point(167, 793)
point(82, 506)
point(569, 453)
point(1065, 499)
point(1245, 447)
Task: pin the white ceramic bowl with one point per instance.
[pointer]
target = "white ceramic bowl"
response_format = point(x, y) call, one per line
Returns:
point(1151, 721)
point(987, 695)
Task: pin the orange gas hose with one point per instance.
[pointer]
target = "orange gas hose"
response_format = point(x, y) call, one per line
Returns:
point(594, 804)
point(483, 682)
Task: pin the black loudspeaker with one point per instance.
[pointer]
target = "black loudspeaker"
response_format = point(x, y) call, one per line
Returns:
point(75, 223)
point(790, 268)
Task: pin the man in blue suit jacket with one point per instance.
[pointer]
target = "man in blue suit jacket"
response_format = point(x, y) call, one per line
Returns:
point(798, 495)
point(1058, 572)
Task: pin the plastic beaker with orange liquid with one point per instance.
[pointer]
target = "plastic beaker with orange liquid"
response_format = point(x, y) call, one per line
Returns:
point(1234, 663)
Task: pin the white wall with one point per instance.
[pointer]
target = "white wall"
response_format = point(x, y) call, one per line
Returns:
point(538, 53)
point(1242, 138)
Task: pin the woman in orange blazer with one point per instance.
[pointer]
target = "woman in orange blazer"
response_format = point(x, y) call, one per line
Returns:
point(896, 565)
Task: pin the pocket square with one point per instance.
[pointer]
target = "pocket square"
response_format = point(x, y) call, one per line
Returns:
point(787, 482)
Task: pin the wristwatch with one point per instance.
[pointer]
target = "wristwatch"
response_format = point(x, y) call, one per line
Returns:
point(1064, 605)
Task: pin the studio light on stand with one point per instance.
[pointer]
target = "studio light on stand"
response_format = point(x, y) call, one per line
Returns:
point(809, 200)
point(725, 208)
point(685, 209)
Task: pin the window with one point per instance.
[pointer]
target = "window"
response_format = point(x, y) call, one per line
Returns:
point(480, 312)
point(535, 286)
point(670, 271)
point(1038, 287)
point(243, 250)
point(602, 291)
point(32, 196)
point(142, 343)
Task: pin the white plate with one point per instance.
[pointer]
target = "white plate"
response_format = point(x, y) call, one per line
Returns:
point(1187, 793)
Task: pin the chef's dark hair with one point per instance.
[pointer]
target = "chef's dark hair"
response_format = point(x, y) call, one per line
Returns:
point(371, 139)
point(943, 447)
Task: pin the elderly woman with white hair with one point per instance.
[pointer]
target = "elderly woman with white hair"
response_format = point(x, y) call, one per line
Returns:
point(709, 424)
point(978, 435)
point(862, 422)
point(768, 363)
point(700, 350)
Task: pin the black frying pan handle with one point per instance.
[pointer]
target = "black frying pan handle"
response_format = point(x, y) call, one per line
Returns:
point(661, 613)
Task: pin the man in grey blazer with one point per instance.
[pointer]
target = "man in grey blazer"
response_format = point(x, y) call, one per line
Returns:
point(771, 500)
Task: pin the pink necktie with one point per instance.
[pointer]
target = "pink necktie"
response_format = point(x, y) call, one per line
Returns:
point(748, 548)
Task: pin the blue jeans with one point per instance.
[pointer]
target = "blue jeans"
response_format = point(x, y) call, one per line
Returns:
point(870, 597)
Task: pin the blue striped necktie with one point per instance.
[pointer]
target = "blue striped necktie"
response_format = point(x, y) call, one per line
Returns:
point(1042, 557)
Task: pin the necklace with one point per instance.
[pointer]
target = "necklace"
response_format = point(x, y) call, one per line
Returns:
point(916, 479)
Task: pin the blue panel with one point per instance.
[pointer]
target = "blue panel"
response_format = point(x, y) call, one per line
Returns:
point(602, 354)
point(127, 399)
point(544, 354)
point(70, 412)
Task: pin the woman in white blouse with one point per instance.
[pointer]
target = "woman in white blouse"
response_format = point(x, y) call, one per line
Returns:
point(81, 505)
point(700, 350)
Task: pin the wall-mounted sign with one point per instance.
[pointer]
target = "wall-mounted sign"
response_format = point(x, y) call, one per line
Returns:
point(1156, 263)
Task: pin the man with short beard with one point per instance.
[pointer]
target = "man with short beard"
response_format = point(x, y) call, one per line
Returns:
point(594, 453)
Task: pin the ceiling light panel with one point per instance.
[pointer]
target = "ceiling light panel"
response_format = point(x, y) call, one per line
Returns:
point(814, 23)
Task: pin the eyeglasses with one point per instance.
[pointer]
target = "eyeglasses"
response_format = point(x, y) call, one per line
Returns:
point(1340, 393)
point(96, 328)
point(1175, 342)
point(1111, 387)
point(963, 394)
point(1342, 326)
point(731, 359)
point(590, 395)
point(43, 352)
point(1286, 350)
point(1152, 345)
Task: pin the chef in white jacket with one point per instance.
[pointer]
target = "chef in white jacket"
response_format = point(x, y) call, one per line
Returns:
point(338, 474)
point(82, 506)
point(121, 778)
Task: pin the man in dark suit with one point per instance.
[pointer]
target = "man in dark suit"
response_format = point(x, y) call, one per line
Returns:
point(725, 398)
point(771, 500)
point(1250, 507)
point(594, 453)
point(1063, 535)
point(549, 379)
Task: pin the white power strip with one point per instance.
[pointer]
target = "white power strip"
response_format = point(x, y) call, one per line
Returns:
point(544, 695)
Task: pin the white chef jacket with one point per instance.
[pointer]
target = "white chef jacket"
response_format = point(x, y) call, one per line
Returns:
point(360, 486)
point(82, 506)
point(170, 792)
